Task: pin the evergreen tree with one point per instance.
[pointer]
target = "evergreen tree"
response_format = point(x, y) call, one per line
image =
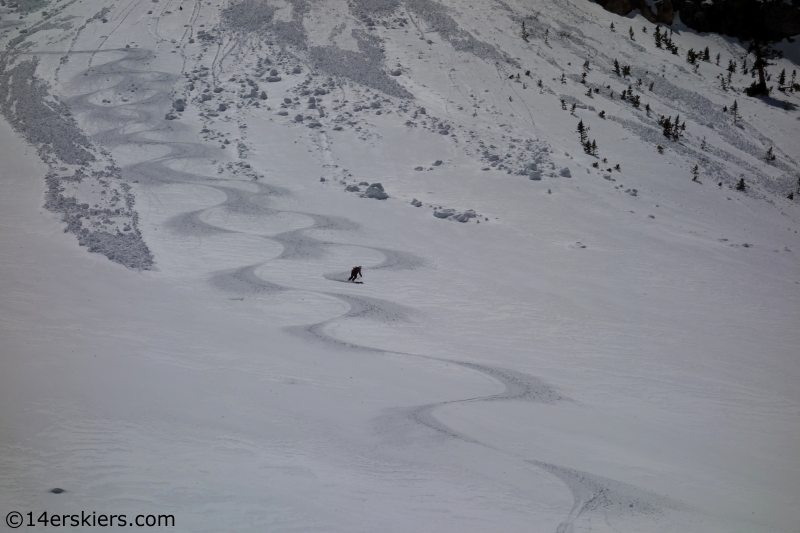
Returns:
point(782, 78)
point(757, 33)
point(706, 55)
point(660, 149)
point(647, 109)
point(630, 32)
point(563, 105)
point(691, 56)
point(695, 172)
point(732, 66)
point(769, 155)
point(703, 145)
point(717, 59)
point(602, 114)
point(626, 70)
point(612, 27)
point(587, 148)
point(572, 111)
point(594, 148)
point(651, 86)
point(582, 131)
point(616, 67)
point(666, 124)
point(740, 186)
point(657, 37)
point(735, 111)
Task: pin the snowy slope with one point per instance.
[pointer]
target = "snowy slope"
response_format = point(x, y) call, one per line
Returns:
point(538, 343)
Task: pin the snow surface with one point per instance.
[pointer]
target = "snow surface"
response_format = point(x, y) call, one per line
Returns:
point(590, 349)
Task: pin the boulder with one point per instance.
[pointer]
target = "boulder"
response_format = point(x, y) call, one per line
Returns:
point(376, 191)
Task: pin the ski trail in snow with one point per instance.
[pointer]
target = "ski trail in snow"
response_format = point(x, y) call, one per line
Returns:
point(589, 491)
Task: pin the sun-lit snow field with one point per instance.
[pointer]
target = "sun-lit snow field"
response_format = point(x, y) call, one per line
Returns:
point(571, 348)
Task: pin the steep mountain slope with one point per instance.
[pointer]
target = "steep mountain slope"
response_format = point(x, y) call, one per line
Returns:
point(544, 338)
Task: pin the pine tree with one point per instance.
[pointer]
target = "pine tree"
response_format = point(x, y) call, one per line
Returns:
point(630, 32)
point(794, 76)
point(626, 70)
point(583, 78)
point(706, 55)
point(616, 67)
point(651, 86)
point(612, 27)
point(791, 195)
point(744, 66)
point(586, 65)
point(647, 109)
point(660, 149)
point(582, 131)
point(594, 148)
point(769, 155)
point(657, 37)
point(539, 84)
point(717, 59)
point(563, 105)
point(735, 111)
point(636, 101)
point(563, 78)
point(666, 124)
point(695, 172)
point(732, 66)
point(703, 145)
point(740, 186)
point(602, 114)
point(587, 147)
point(782, 78)
point(691, 56)
point(572, 111)
point(525, 33)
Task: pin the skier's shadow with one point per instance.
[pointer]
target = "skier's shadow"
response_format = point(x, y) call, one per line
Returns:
point(341, 277)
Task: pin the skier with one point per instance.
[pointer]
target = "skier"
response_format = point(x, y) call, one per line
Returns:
point(355, 272)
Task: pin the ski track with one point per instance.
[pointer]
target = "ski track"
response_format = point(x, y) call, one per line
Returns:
point(589, 491)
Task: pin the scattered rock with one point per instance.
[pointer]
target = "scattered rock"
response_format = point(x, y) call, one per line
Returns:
point(375, 191)
point(565, 173)
point(416, 203)
point(437, 162)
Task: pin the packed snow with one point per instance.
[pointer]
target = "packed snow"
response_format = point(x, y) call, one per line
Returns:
point(606, 340)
